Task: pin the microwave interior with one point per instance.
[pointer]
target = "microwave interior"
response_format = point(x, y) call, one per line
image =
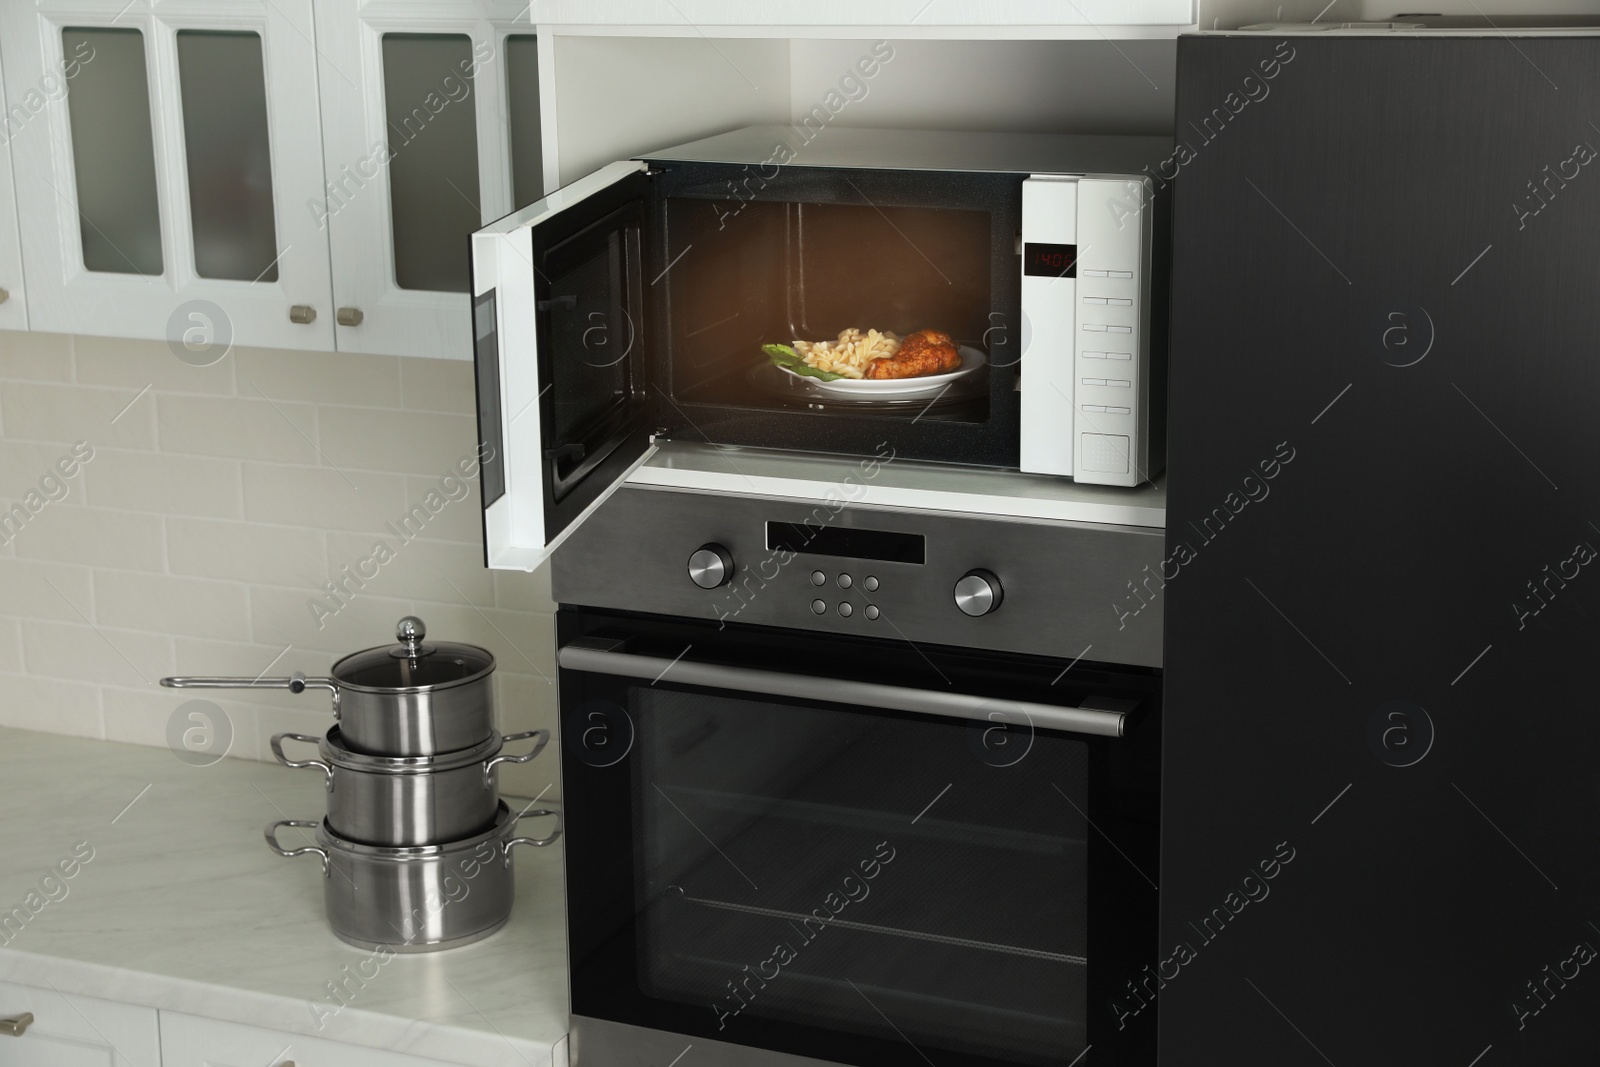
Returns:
point(656, 311)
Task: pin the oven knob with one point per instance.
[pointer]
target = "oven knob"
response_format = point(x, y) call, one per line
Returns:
point(710, 566)
point(978, 593)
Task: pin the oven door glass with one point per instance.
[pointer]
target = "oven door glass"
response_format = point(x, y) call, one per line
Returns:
point(562, 358)
point(836, 881)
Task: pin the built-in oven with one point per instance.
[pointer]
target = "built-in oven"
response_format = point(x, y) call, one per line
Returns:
point(682, 295)
point(787, 847)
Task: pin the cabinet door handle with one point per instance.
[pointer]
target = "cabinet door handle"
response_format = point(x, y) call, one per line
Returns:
point(16, 1027)
point(348, 316)
point(302, 314)
point(4, 296)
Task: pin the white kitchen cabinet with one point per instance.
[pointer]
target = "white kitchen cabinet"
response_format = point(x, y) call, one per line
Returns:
point(430, 120)
point(165, 192)
point(1079, 17)
point(13, 298)
point(189, 1041)
point(67, 1030)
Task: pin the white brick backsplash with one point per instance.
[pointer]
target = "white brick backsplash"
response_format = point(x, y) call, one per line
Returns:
point(283, 617)
point(34, 703)
point(136, 364)
point(213, 511)
point(430, 445)
point(100, 536)
point(239, 428)
point(319, 377)
point(438, 385)
point(10, 645)
point(42, 356)
point(428, 570)
point(23, 465)
point(171, 485)
point(245, 552)
point(144, 717)
point(45, 591)
point(68, 413)
point(171, 605)
point(78, 652)
point(522, 591)
point(323, 498)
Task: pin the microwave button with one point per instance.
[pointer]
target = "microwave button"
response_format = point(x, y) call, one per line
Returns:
point(1099, 274)
point(872, 611)
point(1118, 329)
point(1091, 407)
point(1119, 302)
point(1095, 355)
point(1117, 383)
point(846, 609)
point(1094, 327)
point(819, 606)
point(871, 585)
point(1094, 300)
point(1117, 411)
point(1119, 274)
point(1118, 355)
point(1093, 381)
point(818, 578)
point(845, 581)
point(1104, 453)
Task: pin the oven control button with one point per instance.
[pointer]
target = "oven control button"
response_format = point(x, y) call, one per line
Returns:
point(872, 611)
point(846, 609)
point(818, 578)
point(710, 566)
point(978, 593)
point(819, 606)
point(844, 581)
point(871, 584)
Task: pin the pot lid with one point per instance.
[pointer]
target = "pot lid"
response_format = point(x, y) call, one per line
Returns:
point(413, 664)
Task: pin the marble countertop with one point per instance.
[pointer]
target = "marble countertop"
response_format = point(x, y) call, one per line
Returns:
point(184, 908)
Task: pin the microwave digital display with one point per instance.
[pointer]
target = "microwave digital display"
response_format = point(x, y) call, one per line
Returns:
point(1041, 260)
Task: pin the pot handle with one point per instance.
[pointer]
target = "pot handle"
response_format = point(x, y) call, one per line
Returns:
point(295, 683)
point(271, 834)
point(490, 764)
point(277, 750)
point(536, 841)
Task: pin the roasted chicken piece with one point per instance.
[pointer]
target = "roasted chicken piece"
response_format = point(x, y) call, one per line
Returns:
point(922, 353)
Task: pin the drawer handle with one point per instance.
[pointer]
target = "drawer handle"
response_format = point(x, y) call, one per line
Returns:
point(349, 316)
point(302, 314)
point(18, 1026)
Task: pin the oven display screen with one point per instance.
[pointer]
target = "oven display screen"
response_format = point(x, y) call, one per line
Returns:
point(1041, 260)
point(878, 545)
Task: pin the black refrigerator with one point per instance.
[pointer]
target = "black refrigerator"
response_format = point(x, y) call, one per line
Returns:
point(1381, 764)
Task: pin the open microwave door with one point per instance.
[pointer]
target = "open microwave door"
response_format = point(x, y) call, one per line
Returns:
point(562, 359)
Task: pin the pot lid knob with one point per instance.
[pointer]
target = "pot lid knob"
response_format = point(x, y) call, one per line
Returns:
point(410, 631)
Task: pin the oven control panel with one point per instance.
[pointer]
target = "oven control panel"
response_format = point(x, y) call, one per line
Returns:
point(1040, 587)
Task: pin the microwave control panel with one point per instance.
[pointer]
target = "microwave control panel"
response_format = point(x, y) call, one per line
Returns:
point(1047, 588)
point(1086, 316)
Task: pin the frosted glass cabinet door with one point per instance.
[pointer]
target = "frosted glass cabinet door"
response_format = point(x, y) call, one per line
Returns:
point(418, 149)
point(166, 182)
point(13, 302)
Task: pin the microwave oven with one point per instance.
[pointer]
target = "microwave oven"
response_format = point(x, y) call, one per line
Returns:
point(633, 305)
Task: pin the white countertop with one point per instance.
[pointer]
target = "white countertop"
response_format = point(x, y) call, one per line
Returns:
point(184, 908)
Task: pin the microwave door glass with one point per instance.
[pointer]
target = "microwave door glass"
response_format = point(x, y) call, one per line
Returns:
point(773, 271)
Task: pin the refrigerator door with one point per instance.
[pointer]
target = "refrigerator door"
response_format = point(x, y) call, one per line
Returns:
point(1379, 805)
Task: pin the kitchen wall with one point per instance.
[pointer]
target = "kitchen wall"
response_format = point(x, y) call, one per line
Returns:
point(217, 504)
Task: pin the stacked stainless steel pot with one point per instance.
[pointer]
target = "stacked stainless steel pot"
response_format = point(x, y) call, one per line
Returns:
point(416, 843)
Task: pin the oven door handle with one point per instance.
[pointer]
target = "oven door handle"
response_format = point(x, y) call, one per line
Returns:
point(1081, 720)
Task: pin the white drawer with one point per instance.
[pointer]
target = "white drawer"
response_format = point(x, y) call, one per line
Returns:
point(189, 1041)
point(72, 1031)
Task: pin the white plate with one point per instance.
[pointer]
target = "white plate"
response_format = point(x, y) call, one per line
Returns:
point(906, 388)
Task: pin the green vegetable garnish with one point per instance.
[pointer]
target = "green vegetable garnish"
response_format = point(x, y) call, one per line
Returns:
point(789, 359)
